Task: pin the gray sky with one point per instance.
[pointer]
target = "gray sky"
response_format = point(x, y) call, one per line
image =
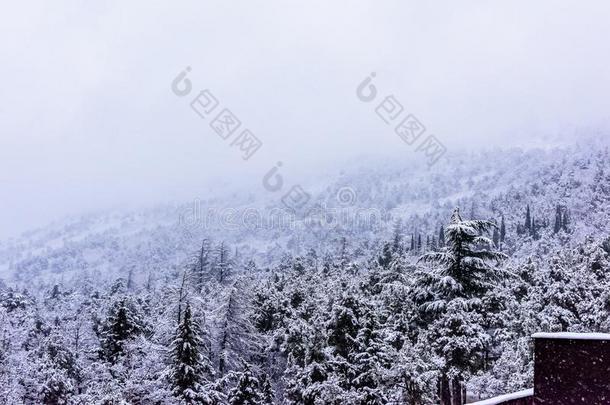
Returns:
point(88, 119)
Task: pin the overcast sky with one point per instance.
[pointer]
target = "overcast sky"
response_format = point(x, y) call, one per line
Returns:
point(88, 119)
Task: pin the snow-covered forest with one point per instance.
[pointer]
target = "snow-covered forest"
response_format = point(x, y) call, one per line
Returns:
point(432, 296)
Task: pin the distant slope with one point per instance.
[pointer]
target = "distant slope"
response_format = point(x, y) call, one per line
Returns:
point(361, 204)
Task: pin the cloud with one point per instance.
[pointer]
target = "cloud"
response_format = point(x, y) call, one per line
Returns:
point(88, 119)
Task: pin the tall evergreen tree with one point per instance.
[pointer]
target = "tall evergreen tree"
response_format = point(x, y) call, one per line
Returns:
point(369, 359)
point(344, 323)
point(121, 325)
point(462, 269)
point(250, 390)
point(190, 364)
point(451, 289)
point(386, 257)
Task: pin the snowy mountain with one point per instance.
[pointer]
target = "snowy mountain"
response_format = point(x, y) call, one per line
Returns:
point(485, 185)
point(379, 291)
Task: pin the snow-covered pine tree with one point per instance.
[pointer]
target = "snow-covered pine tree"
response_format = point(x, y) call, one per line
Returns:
point(250, 389)
point(450, 290)
point(344, 323)
point(369, 361)
point(123, 323)
point(386, 257)
point(462, 269)
point(190, 364)
point(57, 369)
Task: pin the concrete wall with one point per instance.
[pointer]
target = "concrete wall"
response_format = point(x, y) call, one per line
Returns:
point(571, 371)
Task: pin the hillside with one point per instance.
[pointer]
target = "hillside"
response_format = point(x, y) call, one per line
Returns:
point(357, 299)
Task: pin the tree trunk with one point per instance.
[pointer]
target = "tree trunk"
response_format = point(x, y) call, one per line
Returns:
point(456, 386)
point(445, 391)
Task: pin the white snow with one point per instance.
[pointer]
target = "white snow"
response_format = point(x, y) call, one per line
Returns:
point(505, 397)
point(572, 335)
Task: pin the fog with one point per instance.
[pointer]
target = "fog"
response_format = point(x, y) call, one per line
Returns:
point(88, 119)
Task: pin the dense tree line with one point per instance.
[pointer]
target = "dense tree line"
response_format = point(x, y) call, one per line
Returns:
point(414, 308)
point(386, 329)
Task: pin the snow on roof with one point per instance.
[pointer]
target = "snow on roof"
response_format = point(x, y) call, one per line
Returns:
point(572, 335)
point(506, 397)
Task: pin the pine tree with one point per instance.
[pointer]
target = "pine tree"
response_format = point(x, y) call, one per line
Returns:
point(57, 388)
point(309, 366)
point(368, 361)
point(58, 370)
point(412, 242)
point(189, 363)
point(419, 242)
point(451, 290)
point(386, 257)
point(528, 219)
point(463, 270)
point(121, 325)
point(266, 390)
point(343, 324)
point(250, 390)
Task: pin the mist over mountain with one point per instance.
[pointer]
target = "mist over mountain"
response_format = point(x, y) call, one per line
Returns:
point(282, 298)
point(485, 185)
